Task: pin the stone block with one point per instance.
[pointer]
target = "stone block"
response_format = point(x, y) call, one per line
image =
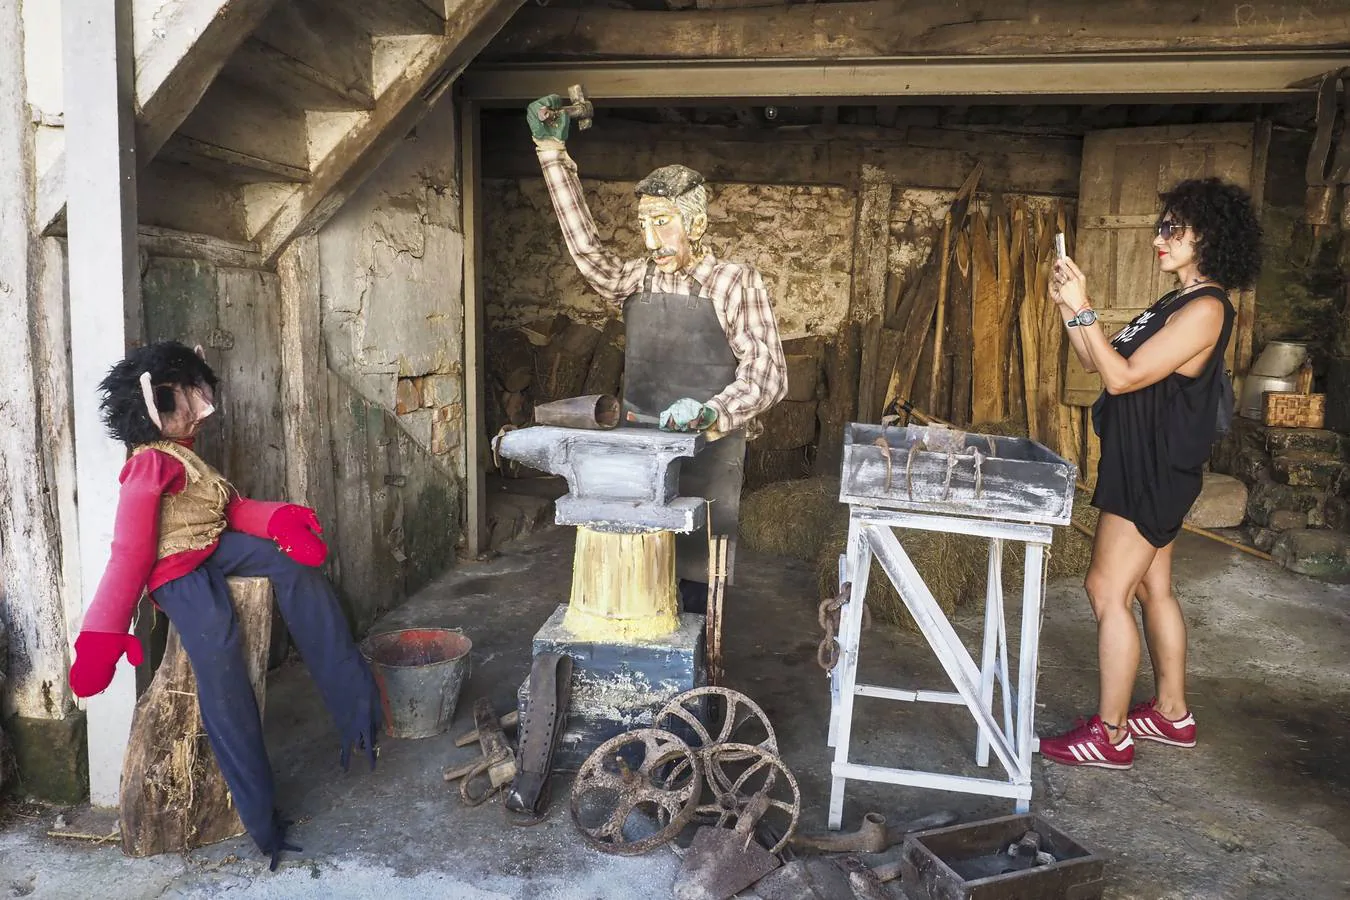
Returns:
point(442, 390)
point(1266, 497)
point(52, 756)
point(1286, 519)
point(1263, 538)
point(803, 377)
point(1314, 440)
point(1242, 452)
point(1315, 552)
point(408, 396)
point(1336, 513)
point(1305, 468)
point(617, 687)
point(1222, 503)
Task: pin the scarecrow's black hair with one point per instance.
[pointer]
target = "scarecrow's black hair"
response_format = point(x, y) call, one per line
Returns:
point(170, 365)
point(1228, 228)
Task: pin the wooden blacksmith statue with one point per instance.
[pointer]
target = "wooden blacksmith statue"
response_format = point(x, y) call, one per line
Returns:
point(702, 351)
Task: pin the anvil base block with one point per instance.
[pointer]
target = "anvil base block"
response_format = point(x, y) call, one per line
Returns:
point(617, 687)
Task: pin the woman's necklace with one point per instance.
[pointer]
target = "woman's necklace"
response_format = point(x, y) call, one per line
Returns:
point(1180, 292)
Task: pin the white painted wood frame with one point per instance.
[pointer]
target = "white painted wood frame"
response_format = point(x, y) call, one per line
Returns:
point(1011, 740)
point(104, 280)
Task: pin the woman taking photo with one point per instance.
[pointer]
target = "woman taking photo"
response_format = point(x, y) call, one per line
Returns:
point(1163, 378)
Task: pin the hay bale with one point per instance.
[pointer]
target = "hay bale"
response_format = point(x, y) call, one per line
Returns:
point(1001, 428)
point(791, 518)
point(952, 566)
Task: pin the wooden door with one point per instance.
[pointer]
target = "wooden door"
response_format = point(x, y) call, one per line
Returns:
point(1123, 172)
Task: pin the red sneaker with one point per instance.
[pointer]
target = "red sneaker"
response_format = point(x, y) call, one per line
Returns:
point(1147, 724)
point(1087, 744)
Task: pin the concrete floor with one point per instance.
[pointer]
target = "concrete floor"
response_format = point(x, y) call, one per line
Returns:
point(1260, 809)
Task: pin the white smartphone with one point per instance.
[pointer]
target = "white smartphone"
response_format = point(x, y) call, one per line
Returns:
point(1060, 251)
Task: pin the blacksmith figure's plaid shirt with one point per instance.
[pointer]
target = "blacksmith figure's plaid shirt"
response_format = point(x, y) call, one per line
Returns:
point(736, 290)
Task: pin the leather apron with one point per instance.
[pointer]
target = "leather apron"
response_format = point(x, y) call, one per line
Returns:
point(675, 348)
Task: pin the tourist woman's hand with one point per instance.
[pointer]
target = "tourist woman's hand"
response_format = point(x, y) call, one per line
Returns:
point(1068, 286)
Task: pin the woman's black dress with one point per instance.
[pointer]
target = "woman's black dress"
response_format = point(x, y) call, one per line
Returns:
point(1155, 440)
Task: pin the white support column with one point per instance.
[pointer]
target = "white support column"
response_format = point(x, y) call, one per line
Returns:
point(105, 310)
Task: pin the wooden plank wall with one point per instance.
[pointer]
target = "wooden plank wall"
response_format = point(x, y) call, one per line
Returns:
point(394, 519)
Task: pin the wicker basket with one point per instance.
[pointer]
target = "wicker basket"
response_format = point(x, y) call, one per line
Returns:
point(1295, 410)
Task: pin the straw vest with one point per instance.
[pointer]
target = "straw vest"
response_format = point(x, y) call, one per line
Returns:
point(193, 518)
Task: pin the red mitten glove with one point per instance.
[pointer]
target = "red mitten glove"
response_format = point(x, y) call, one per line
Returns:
point(296, 530)
point(96, 656)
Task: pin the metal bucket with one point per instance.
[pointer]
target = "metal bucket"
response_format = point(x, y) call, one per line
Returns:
point(420, 672)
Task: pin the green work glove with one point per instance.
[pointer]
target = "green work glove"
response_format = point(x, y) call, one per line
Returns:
point(555, 128)
point(687, 415)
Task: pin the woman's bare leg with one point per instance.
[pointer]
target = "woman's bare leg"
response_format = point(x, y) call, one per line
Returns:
point(1120, 558)
point(1165, 632)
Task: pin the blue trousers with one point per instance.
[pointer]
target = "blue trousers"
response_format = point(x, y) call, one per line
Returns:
point(198, 605)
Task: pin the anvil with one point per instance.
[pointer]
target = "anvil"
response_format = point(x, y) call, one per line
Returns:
point(624, 480)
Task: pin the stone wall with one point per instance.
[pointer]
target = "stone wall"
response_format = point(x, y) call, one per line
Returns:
point(799, 237)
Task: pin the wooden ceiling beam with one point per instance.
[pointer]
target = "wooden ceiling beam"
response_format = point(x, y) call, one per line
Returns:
point(900, 27)
point(1155, 77)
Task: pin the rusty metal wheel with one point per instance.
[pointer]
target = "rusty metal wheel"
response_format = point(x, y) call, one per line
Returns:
point(648, 780)
point(752, 785)
point(738, 719)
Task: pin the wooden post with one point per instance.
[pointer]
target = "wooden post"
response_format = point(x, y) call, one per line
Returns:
point(105, 309)
point(475, 520)
point(174, 797)
point(623, 586)
point(30, 540)
point(304, 382)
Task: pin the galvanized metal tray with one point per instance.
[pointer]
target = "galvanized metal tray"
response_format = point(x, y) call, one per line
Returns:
point(937, 470)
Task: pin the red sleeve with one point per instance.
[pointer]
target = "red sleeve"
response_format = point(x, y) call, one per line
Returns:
point(145, 478)
point(250, 516)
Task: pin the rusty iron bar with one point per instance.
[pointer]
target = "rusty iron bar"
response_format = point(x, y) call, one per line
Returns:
point(873, 835)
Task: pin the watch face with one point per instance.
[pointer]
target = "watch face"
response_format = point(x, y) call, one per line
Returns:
point(1087, 317)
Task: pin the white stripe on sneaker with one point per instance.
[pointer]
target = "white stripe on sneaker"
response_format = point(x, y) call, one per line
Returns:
point(1073, 748)
point(1184, 723)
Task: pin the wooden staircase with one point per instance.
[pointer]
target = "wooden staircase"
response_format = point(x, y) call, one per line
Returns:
point(296, 101)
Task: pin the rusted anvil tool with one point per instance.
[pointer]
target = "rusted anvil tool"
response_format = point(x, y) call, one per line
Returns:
point(873, 836)
point(580, 109)
point(498, 764)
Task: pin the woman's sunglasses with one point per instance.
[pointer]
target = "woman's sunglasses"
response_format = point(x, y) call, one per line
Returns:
point(1167, 229)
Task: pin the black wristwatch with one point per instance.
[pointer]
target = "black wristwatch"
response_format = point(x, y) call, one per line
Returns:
point(1086, 316)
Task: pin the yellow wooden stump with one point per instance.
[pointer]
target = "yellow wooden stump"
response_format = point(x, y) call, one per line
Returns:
point(623, 586)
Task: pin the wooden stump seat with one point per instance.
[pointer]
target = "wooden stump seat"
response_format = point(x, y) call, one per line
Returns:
point(173, 796)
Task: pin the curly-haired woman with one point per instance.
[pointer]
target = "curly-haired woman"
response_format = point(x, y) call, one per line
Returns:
point(1157, 419)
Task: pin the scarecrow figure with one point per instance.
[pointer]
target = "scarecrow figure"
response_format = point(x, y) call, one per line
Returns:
point(702, 350)
point(181, 529)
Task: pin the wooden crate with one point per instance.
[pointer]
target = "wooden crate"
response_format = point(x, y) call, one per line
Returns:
point(1287, 409)
point(965, 862)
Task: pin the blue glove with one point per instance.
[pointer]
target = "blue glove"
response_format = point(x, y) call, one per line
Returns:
point(687, 415)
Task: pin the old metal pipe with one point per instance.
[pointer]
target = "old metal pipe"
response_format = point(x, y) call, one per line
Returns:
point(593, 411)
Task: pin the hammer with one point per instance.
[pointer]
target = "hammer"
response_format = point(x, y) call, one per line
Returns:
point(580, 109)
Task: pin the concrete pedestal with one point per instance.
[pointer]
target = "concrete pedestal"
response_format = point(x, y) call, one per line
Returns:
point(617, 687)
